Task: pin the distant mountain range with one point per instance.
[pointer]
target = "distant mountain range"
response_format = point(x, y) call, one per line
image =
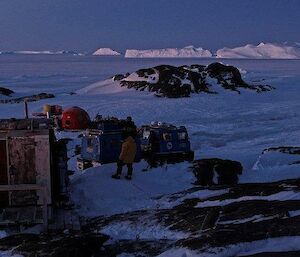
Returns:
point(260, 51)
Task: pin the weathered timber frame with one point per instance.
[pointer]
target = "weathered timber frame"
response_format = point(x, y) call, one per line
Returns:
point(41, 189)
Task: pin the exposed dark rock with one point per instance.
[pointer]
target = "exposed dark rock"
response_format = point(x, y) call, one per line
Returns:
point(31, 98)
point(226, 170)
point(241, 214)
point(275, 254)
point(139, 248)
point(118, 77)
point(57, 245)
point(173, 82)
point(284, 149)
point(219, 226)
point(6, 91)
point(283, 155)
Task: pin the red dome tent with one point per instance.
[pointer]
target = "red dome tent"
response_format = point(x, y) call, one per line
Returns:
point(75, 118)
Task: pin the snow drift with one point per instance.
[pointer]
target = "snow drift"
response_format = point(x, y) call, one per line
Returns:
point(189, 51)
point(261, 51)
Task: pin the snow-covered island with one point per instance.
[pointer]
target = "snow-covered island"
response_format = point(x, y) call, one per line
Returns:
point(260, 51)
point(106, 51)
point(188, 51)
point(175, 82)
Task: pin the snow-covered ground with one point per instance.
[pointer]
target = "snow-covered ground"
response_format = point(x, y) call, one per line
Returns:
point(227, 125)
point(96, 193)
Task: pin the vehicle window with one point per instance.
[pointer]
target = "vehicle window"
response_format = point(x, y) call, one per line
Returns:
point(146, 134)
point(182, 135)
point(167, 136)
point(89, 147)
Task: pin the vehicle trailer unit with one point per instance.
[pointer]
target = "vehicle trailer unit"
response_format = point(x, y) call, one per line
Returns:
point(103, 143)
point(162, 139)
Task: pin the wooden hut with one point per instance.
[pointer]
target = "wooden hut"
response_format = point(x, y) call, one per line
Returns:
point(33, 170)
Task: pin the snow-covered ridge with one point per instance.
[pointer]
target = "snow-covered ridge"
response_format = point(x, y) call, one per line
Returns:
point(189, 51)
point(46, 52)
point(106, 51)
point(261, 51)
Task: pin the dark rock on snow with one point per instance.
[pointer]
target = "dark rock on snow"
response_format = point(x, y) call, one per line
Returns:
point(56, 245)
point(6, 91)
point(217, 227)
point(31, 98)
point(171, 81)
point(283, 149)
point(293, 159)
point(243, 215)
point(227, 171)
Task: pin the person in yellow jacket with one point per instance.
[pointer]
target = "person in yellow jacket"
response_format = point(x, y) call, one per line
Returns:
point(126, 157)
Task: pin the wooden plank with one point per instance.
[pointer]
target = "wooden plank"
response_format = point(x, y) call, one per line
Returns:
point(42, 163)
point(21, 187)
point(3, 173)
point(27, 187)
point(22, 168)
point(3, 163)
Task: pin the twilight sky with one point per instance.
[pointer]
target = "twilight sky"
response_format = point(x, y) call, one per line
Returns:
point(85, 25)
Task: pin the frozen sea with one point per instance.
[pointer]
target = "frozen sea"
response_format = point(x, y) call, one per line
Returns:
point(225, 125)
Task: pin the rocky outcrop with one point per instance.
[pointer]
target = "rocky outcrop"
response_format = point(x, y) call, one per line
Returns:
point(223, 220)
point(31, 98)
point(55, 245)
point(220, 224)
point(174, 82)
point(283, 149)
point(278, 156)
point(6, 91)
point(225, 172)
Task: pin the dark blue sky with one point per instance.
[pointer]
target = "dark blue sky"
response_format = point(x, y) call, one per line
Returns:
point(88, 24)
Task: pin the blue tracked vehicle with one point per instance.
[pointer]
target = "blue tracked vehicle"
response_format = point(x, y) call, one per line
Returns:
point(102, 144)
point(155, 142)
point(164, 141)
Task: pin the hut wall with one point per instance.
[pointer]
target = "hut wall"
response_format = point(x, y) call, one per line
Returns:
point(3, 172)
point(26, 156)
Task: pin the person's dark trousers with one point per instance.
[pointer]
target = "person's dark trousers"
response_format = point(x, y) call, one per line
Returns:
point(120, 166)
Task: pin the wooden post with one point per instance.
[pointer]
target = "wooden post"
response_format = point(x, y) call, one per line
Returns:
point(45, 209)
point(26, 109)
